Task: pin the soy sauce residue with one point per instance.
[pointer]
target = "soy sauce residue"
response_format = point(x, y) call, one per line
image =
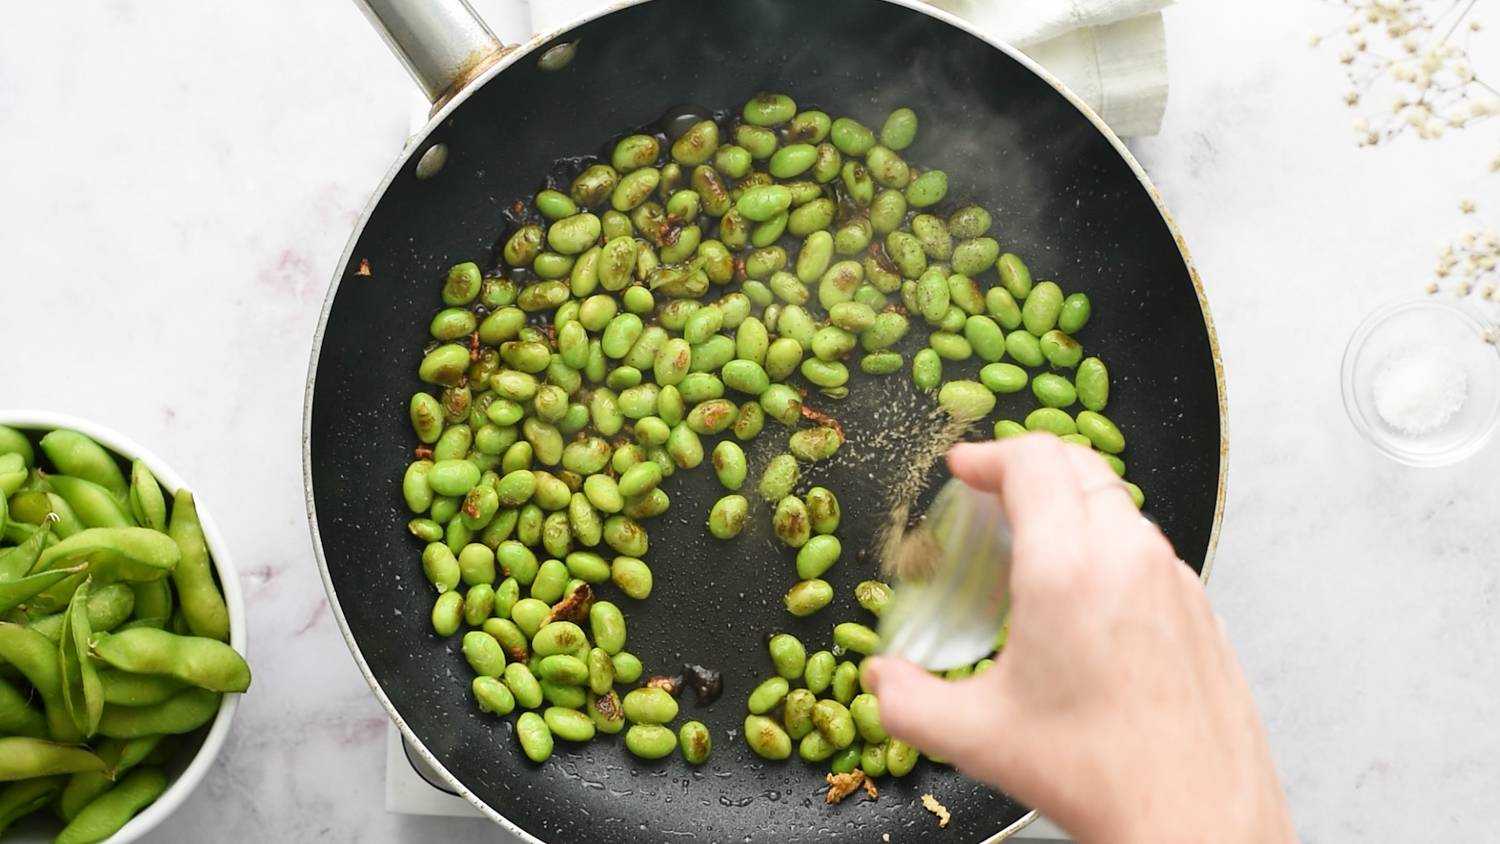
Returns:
point(706, 683)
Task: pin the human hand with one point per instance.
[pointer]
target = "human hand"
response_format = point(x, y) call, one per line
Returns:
point(1117, 707)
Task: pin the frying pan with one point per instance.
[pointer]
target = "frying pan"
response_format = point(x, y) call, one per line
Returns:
point(1065, 194)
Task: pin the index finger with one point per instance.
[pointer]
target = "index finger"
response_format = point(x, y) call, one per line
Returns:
point(1038, 486)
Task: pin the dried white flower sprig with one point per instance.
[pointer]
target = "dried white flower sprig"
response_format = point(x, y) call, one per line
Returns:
point(1409, 60)
point(1409, 68)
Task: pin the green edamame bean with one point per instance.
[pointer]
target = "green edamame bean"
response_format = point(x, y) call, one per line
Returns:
point(1025, 348)
point(830, 343)
point(511, 638)
point(1002, 306)
point(650, 741)
point(926, 369)
point(767, 696)
point(479, 602)
point(529, 614)
point(484, 655)
point(881, 363)
point(608, 626)
point(760, 204)
point(900, 758)
point(1062, 351)
point(535, 736)
point(751, 340)
point(562, 669)
point(697, 145)
point(587, 567)
point(625, 535)
point(750, 421)
point(769, 109)
point(414, 487)
point(729, 464)
point(1092, 383)
point(950, 346)
point(783, 357)
point(728, 516)
point(817, 556)
point(712, 417)
point(825, 373)
point(557, 637)
point(1077, 439)
point(927, 189)
point(887, 330)
point(852, 636)
point(1042, 307)
point(968, 223)
point(1015, 276)
point(712, 354)
point(568, 724)
point(1075, 313)
point(813, 444)
point(872, 759)
point(815, 748)
point(516, 560)
point(975, 255)
point(452, 477)
point(550, 581)
point(492, 695)
point(845, 682)
point(818, 673)
point(640, 478)
point(1003, 377)
point(791, 522)
point(873, 595)
point(1053, 390)
point(555, 205)
point(601, 671)
point(846, 760)
point(746, 376)
point(606, 712)
point(632, 576)
point(523, 685)
point(787, 655)
point(851, 137)
point(985, 337)
point(767, 738)
point(696, 742)
point(1051, 420)
point(649, 706)
point(832, 720)
point(899, 129)
point(1136, 495)
point(807, 597)
point(1101, 432)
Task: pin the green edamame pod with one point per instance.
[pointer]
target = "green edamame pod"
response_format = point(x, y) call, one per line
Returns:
point(22, 758)
point(200, 661)
point(96, 506)
point(77, 455)
point(182, 713)
point(197, 594)
point(147, 504)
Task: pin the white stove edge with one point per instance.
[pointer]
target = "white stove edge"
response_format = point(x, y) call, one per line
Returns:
point(406, 793)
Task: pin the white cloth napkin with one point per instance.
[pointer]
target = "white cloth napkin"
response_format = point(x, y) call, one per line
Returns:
point(1112, 53)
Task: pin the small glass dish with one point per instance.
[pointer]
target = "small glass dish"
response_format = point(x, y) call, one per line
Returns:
point(1391, 335)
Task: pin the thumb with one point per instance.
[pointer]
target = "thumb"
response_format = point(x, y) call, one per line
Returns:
point(951, 719)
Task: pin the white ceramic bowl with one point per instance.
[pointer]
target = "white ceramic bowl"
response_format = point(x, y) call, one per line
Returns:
point(187, 778)
point(1430, 322)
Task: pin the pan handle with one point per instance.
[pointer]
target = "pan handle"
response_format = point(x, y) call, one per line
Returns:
point(442, 43)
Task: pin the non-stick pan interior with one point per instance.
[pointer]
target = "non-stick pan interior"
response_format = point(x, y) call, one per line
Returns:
point(1062, 197)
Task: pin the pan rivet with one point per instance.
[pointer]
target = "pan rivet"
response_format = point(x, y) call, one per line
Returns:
point(557, 58)
point(432, 161)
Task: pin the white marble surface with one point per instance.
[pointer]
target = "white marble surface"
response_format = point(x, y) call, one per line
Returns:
point(177, 180)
